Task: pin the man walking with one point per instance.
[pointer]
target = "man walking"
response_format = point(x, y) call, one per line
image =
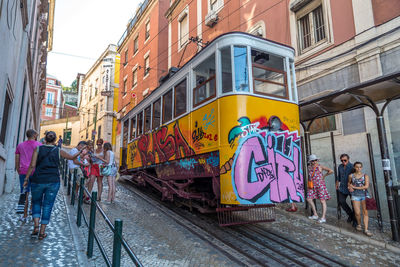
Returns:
point(23, 156)
point(344, 170)
point(77, 163)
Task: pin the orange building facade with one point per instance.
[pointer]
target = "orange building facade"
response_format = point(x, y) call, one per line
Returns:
point(141, 48)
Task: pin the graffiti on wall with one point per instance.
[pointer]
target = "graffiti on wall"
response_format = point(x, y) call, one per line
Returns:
point(159, 144)
point(266, 166)
point(201, 138)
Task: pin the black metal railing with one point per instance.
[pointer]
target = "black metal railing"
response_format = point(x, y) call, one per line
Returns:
point(118, 240)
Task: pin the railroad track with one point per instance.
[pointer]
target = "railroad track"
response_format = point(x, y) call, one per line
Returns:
point(249, 245)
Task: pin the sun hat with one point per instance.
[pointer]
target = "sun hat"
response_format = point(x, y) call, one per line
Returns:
point(312, 157)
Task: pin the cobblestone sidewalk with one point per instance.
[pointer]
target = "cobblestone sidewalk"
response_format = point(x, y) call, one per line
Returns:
point(336, 238)
point(17, 248)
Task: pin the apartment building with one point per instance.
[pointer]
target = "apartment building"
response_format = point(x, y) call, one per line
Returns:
point(96, 98)
point(53, 103)
point(26, 30)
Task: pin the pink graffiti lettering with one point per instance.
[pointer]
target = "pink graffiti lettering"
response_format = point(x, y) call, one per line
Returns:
point(258, 168)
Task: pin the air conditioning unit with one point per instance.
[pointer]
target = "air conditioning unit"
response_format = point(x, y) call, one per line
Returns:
point(211, 18)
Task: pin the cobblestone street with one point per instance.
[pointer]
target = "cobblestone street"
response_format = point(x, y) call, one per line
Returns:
point(158, 241)
point(155, 238)
point(17, 248)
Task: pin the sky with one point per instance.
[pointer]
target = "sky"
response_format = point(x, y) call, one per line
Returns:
point(82, 31)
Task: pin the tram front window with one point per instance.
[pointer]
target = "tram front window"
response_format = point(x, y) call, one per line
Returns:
point(241, 69)
point(204, 83)
point(269, 74)
point(226, 66)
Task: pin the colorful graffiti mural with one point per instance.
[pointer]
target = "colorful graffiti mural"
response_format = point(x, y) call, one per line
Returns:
point(266, 166)
point(159, 146)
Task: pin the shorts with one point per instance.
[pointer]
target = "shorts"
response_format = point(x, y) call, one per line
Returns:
point(94, 170)
point(358, 198)
point(21, 183)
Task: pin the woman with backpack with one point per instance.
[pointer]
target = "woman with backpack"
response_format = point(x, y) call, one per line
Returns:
point(45, 182)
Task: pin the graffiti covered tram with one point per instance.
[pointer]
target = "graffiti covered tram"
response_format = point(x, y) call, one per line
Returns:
point(223, 129)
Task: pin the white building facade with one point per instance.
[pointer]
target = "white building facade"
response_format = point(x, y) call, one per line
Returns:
point(96, 90)
point(26, 35)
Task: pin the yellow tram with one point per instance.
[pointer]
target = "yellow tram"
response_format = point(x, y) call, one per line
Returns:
point(223, 129)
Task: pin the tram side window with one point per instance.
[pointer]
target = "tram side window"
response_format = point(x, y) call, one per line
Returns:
point(125, 134)
point(204, 83)
point(140, 124)
point(133, 127)
point(156, 113)
point(147, 119)
point(167, 107)
point(226, 64)
point(180, 98)
point(269, 74)
point(241, 69)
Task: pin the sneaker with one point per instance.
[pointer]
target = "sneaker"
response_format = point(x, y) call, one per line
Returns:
point(23, 219)
point(322, 220)
point(314, 217)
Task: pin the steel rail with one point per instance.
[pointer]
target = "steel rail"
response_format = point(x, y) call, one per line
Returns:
point(193, 231)
point(262, 232)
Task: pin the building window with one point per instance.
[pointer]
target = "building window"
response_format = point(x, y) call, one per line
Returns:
point(134, 78)
point(95, 114)
point(4, 122)
point(49, 112)
point(126, 57)
point(51, 82)
point(147, 34)
point(325, 124)
point(183, 30)
point(136, 45)
point(125, 87)
point(311, 28)
point(215, 5)
point(50, 98)
point(99, 132)
point(146, 65)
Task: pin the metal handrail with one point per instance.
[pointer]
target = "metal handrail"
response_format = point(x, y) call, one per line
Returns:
point(116, 229)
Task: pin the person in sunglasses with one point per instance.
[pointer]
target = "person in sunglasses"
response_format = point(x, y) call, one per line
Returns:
point(344, 170)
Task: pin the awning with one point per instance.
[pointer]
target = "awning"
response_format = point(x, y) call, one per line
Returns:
point(370, 93)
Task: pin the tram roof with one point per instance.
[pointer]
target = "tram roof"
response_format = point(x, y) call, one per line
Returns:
point(372, 92)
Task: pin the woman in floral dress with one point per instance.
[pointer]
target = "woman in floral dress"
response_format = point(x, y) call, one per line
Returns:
point(317, 188)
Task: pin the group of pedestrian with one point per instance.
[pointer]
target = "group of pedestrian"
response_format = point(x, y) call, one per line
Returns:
point(38, 163)
point(351, 181)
